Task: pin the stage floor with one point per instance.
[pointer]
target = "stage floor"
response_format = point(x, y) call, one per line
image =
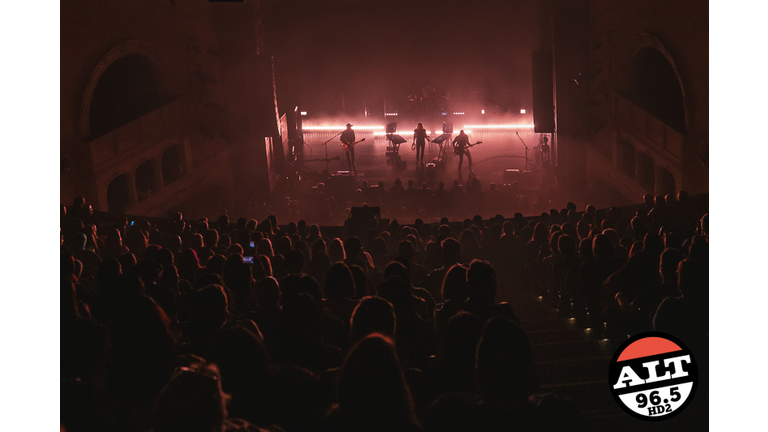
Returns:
point(499, 151)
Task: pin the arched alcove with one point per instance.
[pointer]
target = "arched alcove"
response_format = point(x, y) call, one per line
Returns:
point(646, 172)
point(147, 182)
point(119, 194)
point(625, 157)
point(129, 88)
point(654, 86)
point(666, 182)
point(173, 164)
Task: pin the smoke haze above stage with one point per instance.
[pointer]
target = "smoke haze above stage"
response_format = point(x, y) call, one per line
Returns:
point(359, 56)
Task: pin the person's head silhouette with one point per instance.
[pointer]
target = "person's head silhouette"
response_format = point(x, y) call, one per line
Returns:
point(372, 392)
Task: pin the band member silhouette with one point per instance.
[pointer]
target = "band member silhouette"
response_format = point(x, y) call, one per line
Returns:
point(461, 148)
point(419, 141)
point(348, 139)
point(544, 148)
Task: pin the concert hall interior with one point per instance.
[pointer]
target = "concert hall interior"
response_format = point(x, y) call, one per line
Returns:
point(206, 107)
point(194, 132)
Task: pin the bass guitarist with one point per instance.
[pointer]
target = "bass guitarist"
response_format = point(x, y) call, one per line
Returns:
point(348, 141)
point(461, 147)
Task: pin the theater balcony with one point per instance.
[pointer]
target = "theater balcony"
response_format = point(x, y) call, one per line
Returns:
point(146, 166)
point(637, 154)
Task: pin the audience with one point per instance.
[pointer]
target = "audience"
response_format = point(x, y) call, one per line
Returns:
point(246, 326)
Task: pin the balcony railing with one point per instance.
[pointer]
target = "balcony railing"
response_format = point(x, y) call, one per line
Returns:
point(645, 126)
point(134, 136)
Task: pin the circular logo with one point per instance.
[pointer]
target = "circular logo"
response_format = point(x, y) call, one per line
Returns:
point(653, 376)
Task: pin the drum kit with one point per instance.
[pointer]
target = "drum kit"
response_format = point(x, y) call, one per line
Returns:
point(443, 142)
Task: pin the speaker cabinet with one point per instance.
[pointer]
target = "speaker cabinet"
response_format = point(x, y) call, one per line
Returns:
point(542, 88)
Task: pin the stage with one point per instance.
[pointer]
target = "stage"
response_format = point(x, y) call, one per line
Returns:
point(500, 150)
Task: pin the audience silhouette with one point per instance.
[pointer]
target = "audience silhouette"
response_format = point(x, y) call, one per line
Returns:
point(186, 325)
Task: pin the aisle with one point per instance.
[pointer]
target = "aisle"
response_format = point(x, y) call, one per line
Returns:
point(572, 362)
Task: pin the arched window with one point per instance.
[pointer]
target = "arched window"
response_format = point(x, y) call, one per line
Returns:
point(653, 85)
point(128, 89)
point(173, 164)
point(147, 182)
point(119, 194)
point(646, 172)
point(625, 157)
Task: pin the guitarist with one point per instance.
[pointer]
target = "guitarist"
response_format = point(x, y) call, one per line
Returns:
point(461, 147)
point(348, 141)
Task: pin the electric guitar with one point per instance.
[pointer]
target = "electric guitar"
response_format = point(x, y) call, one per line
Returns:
point(349, 146)
point(458, 152)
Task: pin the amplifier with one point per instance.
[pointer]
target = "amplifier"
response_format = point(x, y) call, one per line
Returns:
point(522, 178)
point(511, 175)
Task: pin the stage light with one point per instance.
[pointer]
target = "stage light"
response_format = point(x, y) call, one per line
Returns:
point(303, 113)
point(482, 111)
point(522, 111)
point(447, 128)
point(342, 127)
point(500, 126)
point(458, 113)
point(391, 114)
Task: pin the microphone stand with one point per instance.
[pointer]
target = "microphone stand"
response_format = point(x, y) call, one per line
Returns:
point(526, 150)
point(327, 161)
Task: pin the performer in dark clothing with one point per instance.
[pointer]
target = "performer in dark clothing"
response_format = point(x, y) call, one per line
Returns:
point(348, 142)
point(544, 148)
point(461, 147)
point(419, 142)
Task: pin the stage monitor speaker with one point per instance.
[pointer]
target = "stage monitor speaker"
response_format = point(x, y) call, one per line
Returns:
point(542, 89)
point(511, 175)
point(523, 179)
point(341, 182)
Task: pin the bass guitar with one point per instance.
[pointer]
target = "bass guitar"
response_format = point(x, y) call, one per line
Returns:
point(349, 146)
point(458, 152)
